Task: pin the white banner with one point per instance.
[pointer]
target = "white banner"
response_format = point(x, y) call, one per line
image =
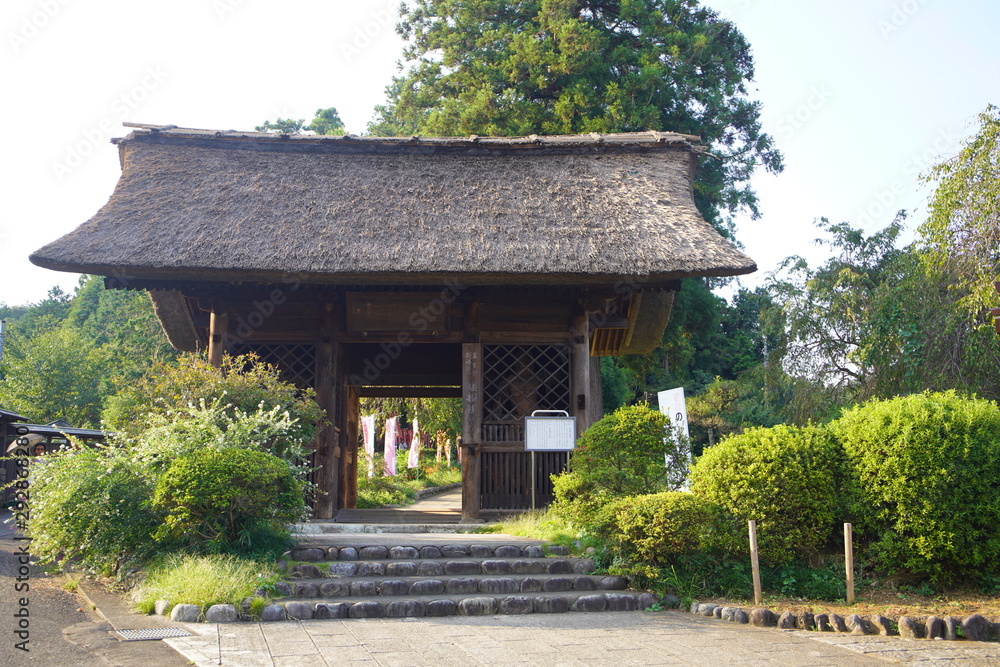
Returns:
point(368, 429)
point(391, 432)
point(413, 458)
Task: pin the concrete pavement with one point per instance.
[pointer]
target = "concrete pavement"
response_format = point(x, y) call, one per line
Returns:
point(609, 638)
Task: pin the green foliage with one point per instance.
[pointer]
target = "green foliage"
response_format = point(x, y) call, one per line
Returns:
point(617, 385)
point(327, 121)
point(228, 500)
point(170, 436)
point(91, 505)
point(962, 231)
point(65, 355)
point(191, 476)
point(282, 126)
point(55, 375)
point(381, 490)
point(625, 453)
point(652, 530)
point(506, 69)
point(205, 581)
point(925, 468)
point(245, 383)
point(788, 479)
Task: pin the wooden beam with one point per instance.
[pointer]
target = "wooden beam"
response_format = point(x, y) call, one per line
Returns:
point(472, 418)
point(327, 440)
point(409, 392)
point(218, 333)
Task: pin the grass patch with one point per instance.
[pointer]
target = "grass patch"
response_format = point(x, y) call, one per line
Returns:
point(71, 582)
point(542, 525)
point(204, 581)
point(401, 489)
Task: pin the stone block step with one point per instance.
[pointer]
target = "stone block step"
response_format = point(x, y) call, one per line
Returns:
point(318, 553)
point(440, 567)
point(315, 528)
point(401, 586)
point(468, 605)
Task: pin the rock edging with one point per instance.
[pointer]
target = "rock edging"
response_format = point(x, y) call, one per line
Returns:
point(974, 627)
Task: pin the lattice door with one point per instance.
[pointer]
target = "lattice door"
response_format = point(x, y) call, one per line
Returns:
point(295, 362)
point(517, 380)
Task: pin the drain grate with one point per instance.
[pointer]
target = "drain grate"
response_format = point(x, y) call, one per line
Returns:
point(151, 633)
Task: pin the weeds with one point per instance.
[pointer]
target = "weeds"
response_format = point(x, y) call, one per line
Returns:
point(204, 581)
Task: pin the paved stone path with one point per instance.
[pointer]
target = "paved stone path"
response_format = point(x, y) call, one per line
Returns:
point(553, 640)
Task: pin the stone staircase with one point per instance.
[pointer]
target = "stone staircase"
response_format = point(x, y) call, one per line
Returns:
point(382, 581)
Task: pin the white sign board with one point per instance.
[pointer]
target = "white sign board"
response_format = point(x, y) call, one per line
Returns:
point(549, 434)
point(673, 406)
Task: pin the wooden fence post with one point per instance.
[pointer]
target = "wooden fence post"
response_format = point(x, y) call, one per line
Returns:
point(849, 561)
point(755, 563)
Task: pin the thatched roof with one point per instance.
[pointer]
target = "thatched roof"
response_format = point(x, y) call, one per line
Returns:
point(203, 205)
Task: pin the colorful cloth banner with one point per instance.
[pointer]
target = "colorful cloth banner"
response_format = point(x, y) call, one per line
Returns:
point(368, 428)
point(391, 431)
point(413, 459)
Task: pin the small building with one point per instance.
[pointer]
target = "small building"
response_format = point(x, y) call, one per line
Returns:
point(22, 439)
point(497, 270)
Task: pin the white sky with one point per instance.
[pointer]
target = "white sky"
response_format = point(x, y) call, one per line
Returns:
point(861, 95)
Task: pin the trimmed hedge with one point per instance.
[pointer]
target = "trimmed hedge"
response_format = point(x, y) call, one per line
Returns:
point(654, 529)
point(218, 499)
point(622, 454)
point(926, 469)
point(788, 479)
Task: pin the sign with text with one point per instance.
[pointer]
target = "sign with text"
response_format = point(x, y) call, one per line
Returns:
point(673, 406)
point(549, 434)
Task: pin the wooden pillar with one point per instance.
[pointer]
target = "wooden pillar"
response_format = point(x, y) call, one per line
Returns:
point(579, 343)
point(472, 418)
point(595, 408)
point(349, 444)
point(327, 445)
point(218, 333)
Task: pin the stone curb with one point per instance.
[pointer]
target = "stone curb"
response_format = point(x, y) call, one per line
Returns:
point(973, 628)
point(435, 490)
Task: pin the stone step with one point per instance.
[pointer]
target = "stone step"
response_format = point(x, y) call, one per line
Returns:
point(405, 586)
point(317, 553)
point(468, 605)
point(329, 528)
point(440, 567)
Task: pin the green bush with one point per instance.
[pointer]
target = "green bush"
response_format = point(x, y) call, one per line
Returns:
point(623, 454)
point(228, 500)
point(654, 529)
point(925, 474)
point(788, 479)
point(91, 505)
point(177, 388)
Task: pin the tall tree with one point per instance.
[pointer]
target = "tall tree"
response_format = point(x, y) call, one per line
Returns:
point(494, 67)
point(962, 231)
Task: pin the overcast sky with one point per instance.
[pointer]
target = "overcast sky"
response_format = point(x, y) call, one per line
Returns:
point(861, 95)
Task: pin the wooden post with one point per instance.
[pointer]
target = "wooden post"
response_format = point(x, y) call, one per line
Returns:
point(349, 444)
point(849, 561)
point(327, 445)
point(218, 333)
point(472, 418)
point(596, 408)
point(755, 563)
point(579, 342)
